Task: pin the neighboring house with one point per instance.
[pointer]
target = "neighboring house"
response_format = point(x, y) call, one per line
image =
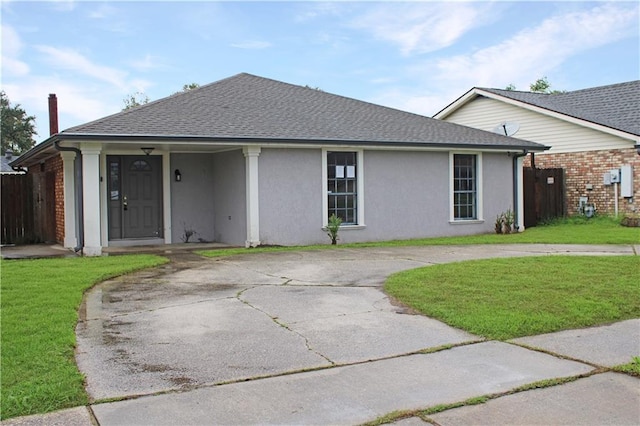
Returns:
point(592, 132)
point(5, 167)
point(250, 161)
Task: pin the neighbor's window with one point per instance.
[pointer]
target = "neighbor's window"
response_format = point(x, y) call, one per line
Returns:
point(465, 187)
point(342, 186)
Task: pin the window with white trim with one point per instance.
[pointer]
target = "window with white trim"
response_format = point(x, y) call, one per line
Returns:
point(342, 186)
point(465, 187)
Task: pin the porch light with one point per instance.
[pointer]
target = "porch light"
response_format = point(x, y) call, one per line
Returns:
point(178, 175)
point(147, 150)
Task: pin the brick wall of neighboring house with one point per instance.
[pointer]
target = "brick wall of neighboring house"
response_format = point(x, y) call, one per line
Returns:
point(589, 167)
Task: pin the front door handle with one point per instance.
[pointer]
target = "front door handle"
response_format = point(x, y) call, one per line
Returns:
point(125, 206)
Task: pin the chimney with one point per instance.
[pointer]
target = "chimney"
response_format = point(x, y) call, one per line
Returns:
point(53, 114)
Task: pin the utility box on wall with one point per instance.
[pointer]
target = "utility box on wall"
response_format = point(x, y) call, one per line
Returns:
point(626, 181)
point(615, 175)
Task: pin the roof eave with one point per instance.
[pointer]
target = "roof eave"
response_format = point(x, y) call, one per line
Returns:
point(37, 154)
point(284, 141)
point(46, 149)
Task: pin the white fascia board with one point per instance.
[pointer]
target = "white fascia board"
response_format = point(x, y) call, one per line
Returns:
point(455, 105)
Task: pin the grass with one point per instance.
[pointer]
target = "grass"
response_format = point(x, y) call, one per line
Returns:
point(577, 230)
point(507, 298)
point(632, 368)
point(39, 311)
point(40, 299)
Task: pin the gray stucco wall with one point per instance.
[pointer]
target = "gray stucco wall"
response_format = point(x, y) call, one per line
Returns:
point(192, 199)
point(290, 196)
point(498, 187)
point(230, 215)
point(406, 195)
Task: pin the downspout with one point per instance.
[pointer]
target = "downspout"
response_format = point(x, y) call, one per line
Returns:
point(77, 168)
point(516, 211)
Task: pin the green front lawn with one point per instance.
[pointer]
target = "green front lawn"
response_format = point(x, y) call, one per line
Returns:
point(508, 298)
point(498, 298)
point(39, 302)
point(578, 230)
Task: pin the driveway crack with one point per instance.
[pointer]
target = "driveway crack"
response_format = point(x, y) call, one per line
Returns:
point(277, 321)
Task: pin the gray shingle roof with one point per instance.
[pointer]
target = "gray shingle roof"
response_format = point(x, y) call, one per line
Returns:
point(616, 106)
point(250, 107)
point(5, 167)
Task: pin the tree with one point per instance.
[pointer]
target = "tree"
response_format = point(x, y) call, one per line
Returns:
point(190, 86)
point(134, 100)
point(140, 98)
point(18, 128)
point(541, 85)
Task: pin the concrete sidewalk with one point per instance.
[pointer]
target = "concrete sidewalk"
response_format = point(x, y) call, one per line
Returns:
point(362, 392)
point(308, 337)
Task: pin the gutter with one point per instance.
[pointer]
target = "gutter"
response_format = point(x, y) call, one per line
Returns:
point(77, 168)
point(516, 212)
point(246, 140)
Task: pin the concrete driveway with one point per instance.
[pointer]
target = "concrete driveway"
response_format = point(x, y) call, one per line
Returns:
point(305, 337)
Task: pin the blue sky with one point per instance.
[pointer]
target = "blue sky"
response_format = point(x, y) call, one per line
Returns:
point(414, 56)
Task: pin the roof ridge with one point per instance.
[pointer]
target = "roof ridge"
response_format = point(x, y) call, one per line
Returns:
point(510, 91)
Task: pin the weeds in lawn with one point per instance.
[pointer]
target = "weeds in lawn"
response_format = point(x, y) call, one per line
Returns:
point(632, 368)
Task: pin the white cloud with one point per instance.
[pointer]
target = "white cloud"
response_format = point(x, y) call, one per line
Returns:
point(69, 59)
point(533, 52)
point(316, 10)
point(147, 63)
point(77, 103)
point(11, 47)
point(526, 56)
point(251, 44)
point(423, 27)
point(63, 5)
point(86, 90)
point(426, 104)
point(103, 11)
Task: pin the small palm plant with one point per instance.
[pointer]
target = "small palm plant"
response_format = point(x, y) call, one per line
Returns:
point(333, 226)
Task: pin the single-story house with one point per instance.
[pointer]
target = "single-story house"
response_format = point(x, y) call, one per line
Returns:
point(594, 136)
point(253, 161)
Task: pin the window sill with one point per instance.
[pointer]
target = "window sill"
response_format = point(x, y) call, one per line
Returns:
point(348, 227)
point(466, 222)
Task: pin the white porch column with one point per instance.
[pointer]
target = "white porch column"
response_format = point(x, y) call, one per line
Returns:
point(251, 154)
point(69, 179)
point(520, 200)
point(91, 199)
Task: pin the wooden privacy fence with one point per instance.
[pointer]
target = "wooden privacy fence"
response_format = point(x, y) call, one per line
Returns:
point(17, 209)
point(543, 195)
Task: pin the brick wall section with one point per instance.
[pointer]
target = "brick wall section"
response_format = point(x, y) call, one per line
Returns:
point(582, 168)
point(56, 165)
